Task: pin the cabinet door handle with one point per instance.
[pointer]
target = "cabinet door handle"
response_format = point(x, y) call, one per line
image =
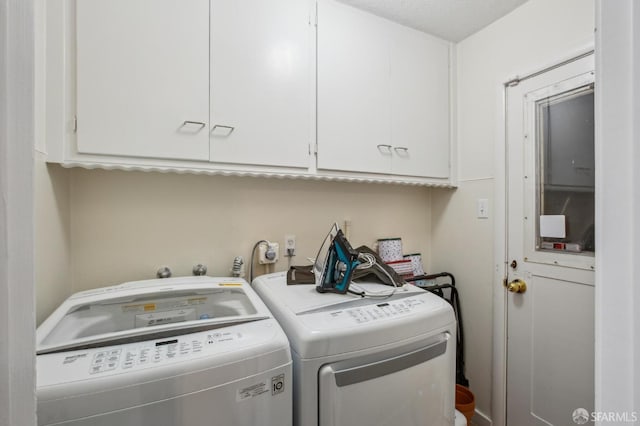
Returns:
point(220, 126)
point(385, 146)
point(399, 149)
point(195, 123)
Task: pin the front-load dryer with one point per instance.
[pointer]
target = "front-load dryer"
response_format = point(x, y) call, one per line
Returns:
point(187, 351)
point(382, 361)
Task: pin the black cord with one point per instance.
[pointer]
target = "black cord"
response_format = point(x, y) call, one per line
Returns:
point(357, 293)
point(253, 252)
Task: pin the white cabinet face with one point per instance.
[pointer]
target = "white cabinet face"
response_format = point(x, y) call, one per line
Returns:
point(419, 104)
point(143, 78)
point(261, 82)
point(354, 131)
point(246, 86)
point(383, 96)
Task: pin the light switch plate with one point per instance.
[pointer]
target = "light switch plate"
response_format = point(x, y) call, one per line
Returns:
point(482, 208)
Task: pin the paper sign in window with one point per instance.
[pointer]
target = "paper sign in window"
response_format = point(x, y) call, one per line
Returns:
point(552, 226)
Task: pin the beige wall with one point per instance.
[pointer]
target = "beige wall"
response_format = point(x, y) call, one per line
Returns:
point(462, 245)
point(536, 35)
point(124, 225)
point(52, 236)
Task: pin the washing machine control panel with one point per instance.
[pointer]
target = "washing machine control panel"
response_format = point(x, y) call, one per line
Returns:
point(379, 311)
point(154, 352)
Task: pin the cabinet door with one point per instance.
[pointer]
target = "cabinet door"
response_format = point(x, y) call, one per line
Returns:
point(143, 78)
point(419, 104)
point(354, 129)
point(261, 56)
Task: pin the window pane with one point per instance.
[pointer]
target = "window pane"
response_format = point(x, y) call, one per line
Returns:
point(566, 173)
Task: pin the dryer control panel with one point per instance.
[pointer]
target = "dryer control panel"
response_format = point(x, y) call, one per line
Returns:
point(380, 311)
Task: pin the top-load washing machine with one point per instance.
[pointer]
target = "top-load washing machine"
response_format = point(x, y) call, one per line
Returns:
point(187, 351)
point(366, 361)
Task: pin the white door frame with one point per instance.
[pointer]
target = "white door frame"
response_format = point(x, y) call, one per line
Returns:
point(617, 369)
point(17, 130)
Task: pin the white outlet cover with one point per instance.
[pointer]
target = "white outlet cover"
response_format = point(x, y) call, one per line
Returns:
point(289, 242)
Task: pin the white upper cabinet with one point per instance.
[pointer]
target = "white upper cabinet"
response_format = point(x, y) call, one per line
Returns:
point(354, 130)
point(383, 96)
point(261, 82)
point(221, 81)
point(419, 104)
point(289, 88)
point(143, 78)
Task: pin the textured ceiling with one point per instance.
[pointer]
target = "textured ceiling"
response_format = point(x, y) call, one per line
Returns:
point(452, 20)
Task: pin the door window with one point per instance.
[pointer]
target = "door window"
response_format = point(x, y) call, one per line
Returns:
point(565, 171)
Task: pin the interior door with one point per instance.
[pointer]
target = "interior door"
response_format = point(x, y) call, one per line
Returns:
point(551, 249)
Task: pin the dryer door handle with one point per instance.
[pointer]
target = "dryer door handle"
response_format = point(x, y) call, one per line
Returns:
point(346, 374)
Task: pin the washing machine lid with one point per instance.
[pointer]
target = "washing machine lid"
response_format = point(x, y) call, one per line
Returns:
point(150, 309)
point(324, 324)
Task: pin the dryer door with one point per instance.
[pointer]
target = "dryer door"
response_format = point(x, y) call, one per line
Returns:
point(411, 387)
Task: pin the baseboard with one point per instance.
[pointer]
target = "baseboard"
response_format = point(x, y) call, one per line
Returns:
point(480, 419)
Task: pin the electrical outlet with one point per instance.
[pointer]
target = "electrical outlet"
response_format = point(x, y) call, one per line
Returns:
point(289, 245)
point(268, 253)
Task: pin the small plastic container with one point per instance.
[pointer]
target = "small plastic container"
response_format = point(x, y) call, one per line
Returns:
point(465, 402)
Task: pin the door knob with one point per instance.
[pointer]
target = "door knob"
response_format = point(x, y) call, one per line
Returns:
point(517, 286)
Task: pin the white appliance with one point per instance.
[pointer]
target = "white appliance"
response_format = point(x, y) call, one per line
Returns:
point(186, 351)
point(364, 361)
